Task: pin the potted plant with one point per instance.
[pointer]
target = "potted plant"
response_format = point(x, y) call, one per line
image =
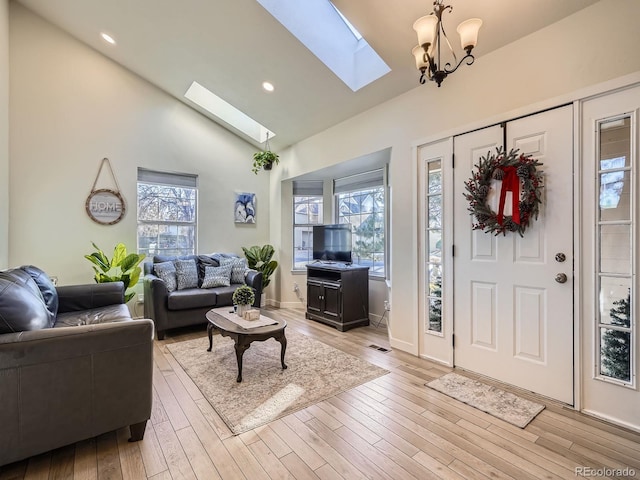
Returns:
point(264, 160)
point(243, 297)
point(122, 267)
point(259, 258)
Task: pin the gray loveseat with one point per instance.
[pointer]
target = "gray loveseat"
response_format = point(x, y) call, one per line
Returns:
point(171, 306)
point(73, 364)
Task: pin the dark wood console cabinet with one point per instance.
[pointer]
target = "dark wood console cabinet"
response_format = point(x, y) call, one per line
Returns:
point(338, 295)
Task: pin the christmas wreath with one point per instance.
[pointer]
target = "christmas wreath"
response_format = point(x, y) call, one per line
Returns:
point(519, 176)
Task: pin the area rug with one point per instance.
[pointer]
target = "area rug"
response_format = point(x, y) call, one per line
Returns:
point(503, 405)
point(315, 372)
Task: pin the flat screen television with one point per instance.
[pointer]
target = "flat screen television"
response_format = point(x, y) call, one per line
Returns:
point(332, 243)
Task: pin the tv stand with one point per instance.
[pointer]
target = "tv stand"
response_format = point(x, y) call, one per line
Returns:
point(338, 295)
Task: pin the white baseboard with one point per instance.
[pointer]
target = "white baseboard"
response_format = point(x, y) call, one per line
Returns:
point(295, 305)
point(408, 347)
point(615, 421)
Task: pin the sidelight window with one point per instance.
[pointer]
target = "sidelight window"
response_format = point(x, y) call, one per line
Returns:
point(433, 246)
point(616, 246)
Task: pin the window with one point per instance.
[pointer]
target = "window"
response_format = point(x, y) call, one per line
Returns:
point(433, 246)
point(167, 212)
point(339, 46)
point(615, 253)
point(307, 212)
point(360, 201)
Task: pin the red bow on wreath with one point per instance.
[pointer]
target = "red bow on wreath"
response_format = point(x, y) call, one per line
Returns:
point(510, 183)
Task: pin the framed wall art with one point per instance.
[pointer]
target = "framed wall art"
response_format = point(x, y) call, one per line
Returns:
point(245, 208)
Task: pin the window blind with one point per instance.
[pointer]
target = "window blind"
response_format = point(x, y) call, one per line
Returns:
point(308, 188)
point(165, 178)
point(360, 181)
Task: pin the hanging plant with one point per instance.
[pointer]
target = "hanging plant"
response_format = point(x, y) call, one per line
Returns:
point(265, 159)
point(519, 175)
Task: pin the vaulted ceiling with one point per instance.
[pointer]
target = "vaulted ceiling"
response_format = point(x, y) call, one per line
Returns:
point(232, 46)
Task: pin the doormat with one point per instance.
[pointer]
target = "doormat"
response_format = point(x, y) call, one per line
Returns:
point(315, 372)
point(506, 406)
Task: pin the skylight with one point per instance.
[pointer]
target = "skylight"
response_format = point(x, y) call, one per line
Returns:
point(226, 112)
point(330, 36)
point(353, 29)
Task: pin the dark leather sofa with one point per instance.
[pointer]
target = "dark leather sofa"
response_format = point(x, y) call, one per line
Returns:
point(180, 308)
point(73, 364)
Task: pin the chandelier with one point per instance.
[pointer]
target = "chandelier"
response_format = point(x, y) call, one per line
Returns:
point(431, 34)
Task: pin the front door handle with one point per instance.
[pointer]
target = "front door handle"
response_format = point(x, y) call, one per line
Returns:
point(561, 278)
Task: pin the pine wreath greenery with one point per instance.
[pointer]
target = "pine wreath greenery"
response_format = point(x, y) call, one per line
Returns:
point(492, 167)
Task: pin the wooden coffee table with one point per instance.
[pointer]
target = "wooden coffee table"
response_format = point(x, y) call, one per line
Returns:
point(244, 336)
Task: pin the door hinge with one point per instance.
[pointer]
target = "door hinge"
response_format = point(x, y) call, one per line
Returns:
point(453, 160)
point(453, 250)
point(453, 340)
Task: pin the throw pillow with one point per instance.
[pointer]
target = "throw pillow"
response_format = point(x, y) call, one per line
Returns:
point(186, 274)
point(166, 271)
point(216, 276)
point(238, 270)
point(205, 261)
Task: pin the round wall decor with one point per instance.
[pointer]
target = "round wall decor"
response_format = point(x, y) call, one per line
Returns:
point(105, 206)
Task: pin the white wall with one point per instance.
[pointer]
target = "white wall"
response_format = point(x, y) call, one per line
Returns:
point(4, 133)
point(70, 107)
point(555, 61)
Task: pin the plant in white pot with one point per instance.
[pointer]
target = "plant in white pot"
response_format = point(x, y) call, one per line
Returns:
point(243, 297)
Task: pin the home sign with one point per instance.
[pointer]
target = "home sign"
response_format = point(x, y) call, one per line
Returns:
point(105, 206)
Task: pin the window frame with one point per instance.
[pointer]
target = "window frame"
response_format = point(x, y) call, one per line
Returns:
point(320, 216)
point(598, 324)
point(370, 180)
point(173, 180)
point(430, 295)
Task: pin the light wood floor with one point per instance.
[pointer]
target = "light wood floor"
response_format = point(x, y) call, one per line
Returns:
point(390, 428)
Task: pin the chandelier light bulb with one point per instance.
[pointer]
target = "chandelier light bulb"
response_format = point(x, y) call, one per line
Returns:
point(468, 31)
point(426, 28)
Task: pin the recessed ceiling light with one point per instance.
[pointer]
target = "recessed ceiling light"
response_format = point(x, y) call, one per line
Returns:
point(268, 86)
point(108, 38)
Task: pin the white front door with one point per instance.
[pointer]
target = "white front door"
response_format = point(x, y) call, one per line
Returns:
point(512, 320)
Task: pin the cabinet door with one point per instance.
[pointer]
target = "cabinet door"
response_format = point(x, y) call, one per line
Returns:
point(314, 296)
point(332, 301)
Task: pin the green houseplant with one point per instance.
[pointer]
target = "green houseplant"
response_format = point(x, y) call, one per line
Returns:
point(122, 267)
point(243, 297)
point(264, 160)
point(259, 258)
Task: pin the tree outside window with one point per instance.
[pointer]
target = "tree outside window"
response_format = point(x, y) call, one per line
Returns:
point(364, 210)
point(166, 219)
